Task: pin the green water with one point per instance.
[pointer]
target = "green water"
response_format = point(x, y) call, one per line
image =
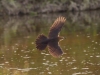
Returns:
point(81, 46)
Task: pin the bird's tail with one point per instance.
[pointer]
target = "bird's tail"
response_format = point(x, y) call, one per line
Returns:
point(41, 42)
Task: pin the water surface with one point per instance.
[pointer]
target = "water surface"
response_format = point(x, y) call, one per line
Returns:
point(81, 46)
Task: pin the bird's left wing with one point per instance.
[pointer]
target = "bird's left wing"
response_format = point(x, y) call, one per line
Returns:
point(56, 27)
point(54, 49)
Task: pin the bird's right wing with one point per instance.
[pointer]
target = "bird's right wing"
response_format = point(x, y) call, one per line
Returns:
point(56, 27)
point(54, 49)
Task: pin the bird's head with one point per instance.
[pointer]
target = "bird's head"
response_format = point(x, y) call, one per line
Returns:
point(61, 38)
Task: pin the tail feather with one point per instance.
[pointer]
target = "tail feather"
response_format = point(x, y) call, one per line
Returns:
point(41, 42)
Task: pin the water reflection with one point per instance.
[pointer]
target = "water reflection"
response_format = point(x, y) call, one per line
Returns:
point(18, 55)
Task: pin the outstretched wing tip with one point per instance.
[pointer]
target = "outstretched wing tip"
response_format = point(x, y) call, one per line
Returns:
point(54, 49)
point(61, 18)
point(56, 54)
point(56, 26)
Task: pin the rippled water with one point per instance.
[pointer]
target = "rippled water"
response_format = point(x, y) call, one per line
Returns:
point(81, 46)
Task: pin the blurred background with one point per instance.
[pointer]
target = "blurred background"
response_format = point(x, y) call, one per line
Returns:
point(21, 21)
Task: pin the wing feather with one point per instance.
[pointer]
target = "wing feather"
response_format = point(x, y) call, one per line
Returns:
point(54, 49)
point(56, 27)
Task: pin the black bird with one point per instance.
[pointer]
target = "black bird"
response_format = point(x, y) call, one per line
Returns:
point(53, 38)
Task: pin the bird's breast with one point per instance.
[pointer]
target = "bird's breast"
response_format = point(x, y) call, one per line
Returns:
point(56, 39)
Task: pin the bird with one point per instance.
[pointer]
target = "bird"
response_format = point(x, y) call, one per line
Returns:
point(52, 41)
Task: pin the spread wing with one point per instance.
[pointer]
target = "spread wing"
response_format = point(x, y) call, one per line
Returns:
point(56, 27)
point(54, 49)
